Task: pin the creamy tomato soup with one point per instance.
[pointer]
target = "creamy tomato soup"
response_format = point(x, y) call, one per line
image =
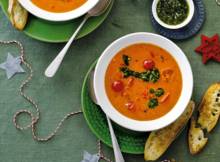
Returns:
point(143, 81)
point(58, 5)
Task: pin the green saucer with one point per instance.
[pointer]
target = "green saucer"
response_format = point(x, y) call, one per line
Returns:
point(129, 141)
point(58, 32)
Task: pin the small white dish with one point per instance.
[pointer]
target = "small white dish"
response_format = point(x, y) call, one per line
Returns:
point(99, 81)
point(181, 25)
point(52, 16)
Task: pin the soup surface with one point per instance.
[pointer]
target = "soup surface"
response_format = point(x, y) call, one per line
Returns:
point(143, 81)
point(58, 5)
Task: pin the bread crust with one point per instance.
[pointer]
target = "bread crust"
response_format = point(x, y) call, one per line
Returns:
point(17, 14)
point(158, 141)
point(209, 109)
point(196, 138)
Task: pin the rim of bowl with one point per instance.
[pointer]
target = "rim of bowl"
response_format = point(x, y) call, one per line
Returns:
point(53, 16)
point(178, 26)
point(99, 81)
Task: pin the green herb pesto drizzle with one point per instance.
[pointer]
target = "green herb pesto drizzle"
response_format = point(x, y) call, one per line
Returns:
point(172, 12)
point(152, 75)
point(147, 76)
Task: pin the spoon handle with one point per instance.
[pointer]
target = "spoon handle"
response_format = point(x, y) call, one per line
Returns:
point(116, 148)
point(54, 65)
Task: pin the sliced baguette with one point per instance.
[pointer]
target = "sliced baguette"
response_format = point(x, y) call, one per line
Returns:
point(158, 141)
point(196, 138)
point(17, 14)
point(209, 109)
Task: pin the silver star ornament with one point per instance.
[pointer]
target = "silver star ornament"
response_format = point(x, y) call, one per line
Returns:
point(87, 157)
point(12, 65)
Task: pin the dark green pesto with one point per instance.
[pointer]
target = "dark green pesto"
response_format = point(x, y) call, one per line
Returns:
point(153, 103)
point(126, 59)
point(172, 12)
point(147, 76)
point(158, 92)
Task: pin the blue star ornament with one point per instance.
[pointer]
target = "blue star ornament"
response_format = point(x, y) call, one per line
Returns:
point(87, 157)
point(12, 66)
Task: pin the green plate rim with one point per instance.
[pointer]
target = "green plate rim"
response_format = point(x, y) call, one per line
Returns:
point(87, 121)
point(81, 35)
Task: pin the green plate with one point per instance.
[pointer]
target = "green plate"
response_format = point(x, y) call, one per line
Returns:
point(129, 141)
point(58, 32)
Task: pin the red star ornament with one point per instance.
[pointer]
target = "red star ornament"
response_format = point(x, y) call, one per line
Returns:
point(209, 48)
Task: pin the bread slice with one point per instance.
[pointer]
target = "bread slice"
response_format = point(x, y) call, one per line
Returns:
point(17, 14)
point(158, 141)
point(196, 138)
point(209, 109)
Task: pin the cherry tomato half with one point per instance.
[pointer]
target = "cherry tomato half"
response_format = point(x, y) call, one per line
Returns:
point(117, 86)
point(149, 64)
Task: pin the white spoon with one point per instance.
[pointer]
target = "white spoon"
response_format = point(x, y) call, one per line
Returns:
point(99, 9)
point(115, 145)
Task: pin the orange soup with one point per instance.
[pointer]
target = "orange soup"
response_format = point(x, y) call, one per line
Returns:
point(59, 5)
point(143, 82)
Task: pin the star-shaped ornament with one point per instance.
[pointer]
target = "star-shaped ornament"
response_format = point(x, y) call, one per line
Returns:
point(12, 66)
point(210, 48)
point(87, 157)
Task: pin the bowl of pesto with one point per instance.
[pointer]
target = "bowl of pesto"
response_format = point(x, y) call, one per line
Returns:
point(173, 14)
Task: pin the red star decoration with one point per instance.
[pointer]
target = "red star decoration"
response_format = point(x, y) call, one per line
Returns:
point(210, 48)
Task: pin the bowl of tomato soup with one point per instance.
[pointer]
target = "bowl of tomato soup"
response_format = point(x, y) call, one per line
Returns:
point(143, 81)
point(58, 10)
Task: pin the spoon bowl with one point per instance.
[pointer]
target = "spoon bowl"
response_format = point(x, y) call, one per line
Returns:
point(100, 8)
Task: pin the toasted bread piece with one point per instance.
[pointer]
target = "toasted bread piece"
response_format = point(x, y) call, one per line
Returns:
point(196, 138)
point(158, 141)
point(17, 14)
point(209, 109)
point(10, 6)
